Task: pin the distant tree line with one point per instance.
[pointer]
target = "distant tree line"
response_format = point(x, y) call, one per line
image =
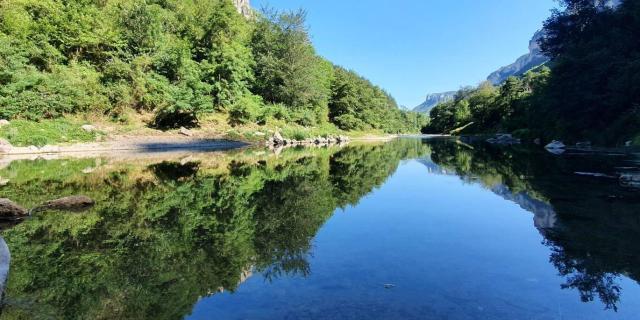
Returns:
point(180, 59)
point(590, 89)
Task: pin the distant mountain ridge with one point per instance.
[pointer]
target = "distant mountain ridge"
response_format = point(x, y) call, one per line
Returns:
point(433, 100)
point(534, 58)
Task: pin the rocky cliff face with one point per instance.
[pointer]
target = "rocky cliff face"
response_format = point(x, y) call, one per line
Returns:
point(433, 100)
point(534, 58)
point(244, 7)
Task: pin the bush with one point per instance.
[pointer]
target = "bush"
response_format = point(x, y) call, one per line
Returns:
point(245, 110)
point(349, 122)
point(274, 111)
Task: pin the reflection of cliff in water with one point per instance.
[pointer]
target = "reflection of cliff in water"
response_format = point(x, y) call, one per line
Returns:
point(590, 223)
point(544, 214)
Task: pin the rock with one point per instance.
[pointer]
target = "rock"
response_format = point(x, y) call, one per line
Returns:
point(11, 211)
point(555, 144)
point(4, 182)
point(5, 146)
point(88, 170)
point(259, 134)
point(72, 203)
point(537, 141)
point(185, 132)
point(88, 128)
point(503, 139)
point(277, 138)
point(4, 122)
point(630, 180)
point(556, 147)
point(628, 143)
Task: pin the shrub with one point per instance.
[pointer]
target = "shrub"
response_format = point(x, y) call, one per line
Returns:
point(245, 110)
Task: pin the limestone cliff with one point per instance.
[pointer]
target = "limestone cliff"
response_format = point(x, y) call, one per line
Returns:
point(244, 7)
point(534, 58)
point(433, 100)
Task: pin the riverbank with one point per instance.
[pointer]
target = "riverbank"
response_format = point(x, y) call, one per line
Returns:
point(98, 135)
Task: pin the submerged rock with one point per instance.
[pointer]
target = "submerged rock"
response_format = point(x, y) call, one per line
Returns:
point(630, 180)
point(11, 211)
point(503, 139)
point(556, 147)
point(72, 203)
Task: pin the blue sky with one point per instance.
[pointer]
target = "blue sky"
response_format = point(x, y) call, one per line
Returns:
point(415, 47)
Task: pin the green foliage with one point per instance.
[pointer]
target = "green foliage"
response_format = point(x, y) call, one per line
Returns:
point(178, 59)
point(490, 109)
point(246, 109)
point(27, 133)
point(357, 104)
point(591, 92)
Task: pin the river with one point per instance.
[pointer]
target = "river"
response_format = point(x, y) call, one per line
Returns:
point(408, 229)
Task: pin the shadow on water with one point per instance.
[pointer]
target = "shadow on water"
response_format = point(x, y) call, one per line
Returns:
point(163, 234)
point(194, 145)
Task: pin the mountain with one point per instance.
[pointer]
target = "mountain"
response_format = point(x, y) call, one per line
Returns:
point(433, 100)
point(534, 58)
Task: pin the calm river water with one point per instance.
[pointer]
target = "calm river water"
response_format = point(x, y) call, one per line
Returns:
point(410, 229)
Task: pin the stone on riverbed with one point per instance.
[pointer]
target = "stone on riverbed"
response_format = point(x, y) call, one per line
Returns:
point(556, 147)
point(11, 211)
point(503, 139)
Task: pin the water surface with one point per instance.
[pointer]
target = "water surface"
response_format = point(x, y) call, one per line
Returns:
point(411, 229)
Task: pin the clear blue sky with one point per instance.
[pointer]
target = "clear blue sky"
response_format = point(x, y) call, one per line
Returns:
point(415, 47)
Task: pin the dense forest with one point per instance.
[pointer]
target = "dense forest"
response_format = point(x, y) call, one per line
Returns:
point(589, 91)
point(180, 60)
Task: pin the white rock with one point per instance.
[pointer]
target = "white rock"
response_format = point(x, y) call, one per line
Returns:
point(185, 132)
point(88, 128)
point(555, 145)
point(4, 122)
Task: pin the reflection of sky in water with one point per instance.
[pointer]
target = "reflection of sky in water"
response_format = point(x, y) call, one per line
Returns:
point(472, 257)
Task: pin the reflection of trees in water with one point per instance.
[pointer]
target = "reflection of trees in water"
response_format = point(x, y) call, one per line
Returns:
point(163, 235)
point(595, 233)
